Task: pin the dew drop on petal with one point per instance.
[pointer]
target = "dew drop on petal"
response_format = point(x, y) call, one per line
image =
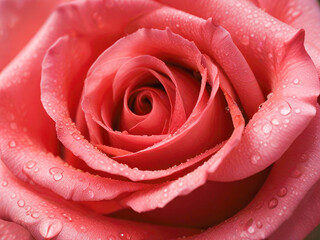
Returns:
point(35, 215)
point(259, 224)
point(269, 95)
point(12, 144)
point(124, 236)
point(21, 203)
point(275, 122)
point(255, 159)
point(267, 128)
point(83, 228)
point(50, 229)
point(13, 126)
point(98, 20)
point(251, 229)
point(248, 226)
point(282, 192)
point(245, 40)
point(296, 81)
point(4, 183)
point(56, 173)
point(267, 24)
point(285, 109)
point(76, 136)
point(30, 164)
point(296, 173)
point(273, 203)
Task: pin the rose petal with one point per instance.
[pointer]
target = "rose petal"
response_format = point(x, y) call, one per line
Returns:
point(290, 180)
point(304, 219)
point(285, 83)
point(19, 21)
point(17, 77)
point(154, 197)
point(213, 41)
point(10, 230)
point(30, 163)
point(51, 217)
point(299, 14)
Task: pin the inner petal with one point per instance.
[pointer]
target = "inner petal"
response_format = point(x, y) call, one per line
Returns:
point(146, 111)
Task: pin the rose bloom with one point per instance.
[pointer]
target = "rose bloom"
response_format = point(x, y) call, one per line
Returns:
point(144, 119)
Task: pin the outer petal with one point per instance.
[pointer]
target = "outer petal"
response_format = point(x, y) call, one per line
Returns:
point(299, 14)
point(290, 180)
point(304, 219)
point(21, 130)
point(51, 217)
point(11, 231)
point(19, 21)
point(275, 73)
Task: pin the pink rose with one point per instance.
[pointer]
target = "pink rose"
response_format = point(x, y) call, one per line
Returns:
point(159, 119)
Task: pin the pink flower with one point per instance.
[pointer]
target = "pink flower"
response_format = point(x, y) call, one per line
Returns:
point(159, 119)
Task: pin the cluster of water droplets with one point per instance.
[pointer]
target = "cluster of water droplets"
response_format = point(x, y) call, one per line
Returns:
point(276, 202)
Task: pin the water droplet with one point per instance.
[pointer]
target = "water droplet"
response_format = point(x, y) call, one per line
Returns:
point(269, 95)
point(296, 14)
point(83, 228)
point(67, 217)
point(296, 81)
point(98, 19)
point(142, 176)
point(12, 144)
point(35, 215)
point(56, 173)
point(4, 184)
point(282, 192)
point(177, 25)
point(76, 136)
point(248, 226)
point(296, 173)
point(267, 128)
point(30, 164)
point(273, 203)
point(270, 55)
point(297, 110)
point(285, 109)
point(251, 229)
point(267, 24)
point(13, 126)
point(275, 122)
point(245, 40)
point(13, 196)
point(269, 220)
point(21, 203)
point(50, 229)
point(259, 224)
point(255, 159)
point(304, 158)
point(124, 236)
